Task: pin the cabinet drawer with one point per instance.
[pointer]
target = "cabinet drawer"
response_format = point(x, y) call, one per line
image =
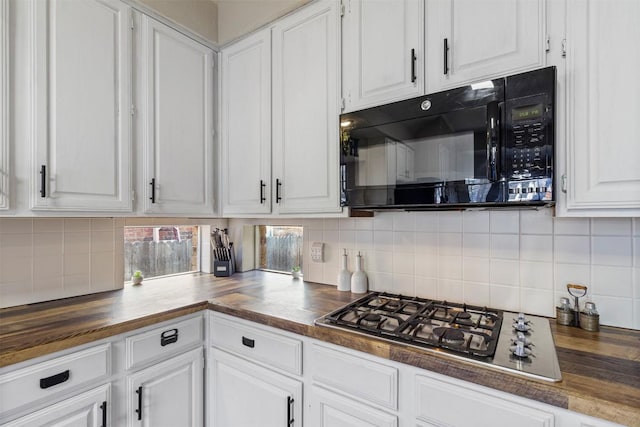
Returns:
point(356, 376)
point(160, 342)
point(53, 377)
point(260, 345)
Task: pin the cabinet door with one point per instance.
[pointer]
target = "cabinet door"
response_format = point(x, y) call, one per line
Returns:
point(382, 51)
point(4, 105)
point(81, 116)
point(89, 409)
point(327, 409)
point(485, 39)
point(246, 125)
point(177, 118)
point(246, 395)
point(305, 110)
point(168, 394)
point(603, 177)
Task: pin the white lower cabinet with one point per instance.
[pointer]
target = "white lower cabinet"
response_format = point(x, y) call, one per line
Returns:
point(169, 393)
point(88, 409)
point(329, 409)
point(247, 395)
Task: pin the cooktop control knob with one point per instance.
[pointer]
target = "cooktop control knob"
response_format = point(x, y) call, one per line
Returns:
point(520, 349)
point(520, 337)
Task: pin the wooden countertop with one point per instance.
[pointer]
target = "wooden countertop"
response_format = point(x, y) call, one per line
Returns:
point(601, 371)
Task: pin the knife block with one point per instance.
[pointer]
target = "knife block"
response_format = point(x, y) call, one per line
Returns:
point(223, 268)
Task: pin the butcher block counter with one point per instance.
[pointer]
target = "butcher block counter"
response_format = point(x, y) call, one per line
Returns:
point(601, 371)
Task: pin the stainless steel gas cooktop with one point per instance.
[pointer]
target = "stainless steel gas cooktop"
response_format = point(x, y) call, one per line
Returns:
point(504, 340)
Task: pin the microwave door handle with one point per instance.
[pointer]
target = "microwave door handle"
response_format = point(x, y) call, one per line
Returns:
point(493, 137)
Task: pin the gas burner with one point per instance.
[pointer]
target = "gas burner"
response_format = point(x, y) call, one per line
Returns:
point(371, 318)
point(392, 305)
point(463, 315)
point(450, 335)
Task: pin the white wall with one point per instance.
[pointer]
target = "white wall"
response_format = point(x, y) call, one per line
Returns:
point(513, 260)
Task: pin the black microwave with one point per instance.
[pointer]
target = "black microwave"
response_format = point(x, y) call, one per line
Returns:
point(488, 144)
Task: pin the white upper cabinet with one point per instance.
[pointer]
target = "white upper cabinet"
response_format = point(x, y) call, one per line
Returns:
point(80, 117)
point(306, 51)
point(382, 51)
point(4, 105)
point(246, 125)
point(603, 149)
point(471, 40)
point(176, 118)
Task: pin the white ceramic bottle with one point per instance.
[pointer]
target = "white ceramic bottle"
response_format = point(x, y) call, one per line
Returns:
point(359, 283)
point(344, 276)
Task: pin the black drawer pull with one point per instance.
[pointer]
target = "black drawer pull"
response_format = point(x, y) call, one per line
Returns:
point(139, 410)
point(54, 379)
point(104, 413)
point(248, 342)
point(169, 337)
point(290, 419)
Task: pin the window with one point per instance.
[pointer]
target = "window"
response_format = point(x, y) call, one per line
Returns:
point(160, 251)
point(279, 248)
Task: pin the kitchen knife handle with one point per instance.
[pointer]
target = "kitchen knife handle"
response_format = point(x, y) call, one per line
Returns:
point(139, 410)
point(278, 185)
point(43, 181)
point(153, 190)
point(290, 419)
point(103, 407)
point(446, 56)
point(413, 66)
point(262, 187)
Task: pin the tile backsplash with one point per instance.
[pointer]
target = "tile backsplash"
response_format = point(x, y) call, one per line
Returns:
point(513, 260)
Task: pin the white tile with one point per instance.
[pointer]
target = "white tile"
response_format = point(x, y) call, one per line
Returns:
point(505, 222)
point(450, 244)
point(383, 221)
point(536, 222)
point(426, 221)
point(615, 311)
point(15, 293)
point(16, 245)
point(477, 293)
point(78, 284)
point(450, 222)
point(380, 282)
point(426, 287)
point(47, 286)
point(47, 266)
point(364, 240)
point(504, 272)
point(426, 265)
point(403, 263)
point(571, 249)
point(347, 239)
point(571, 226)
point(331, 224)
point(505, 297)
point(563, 274)
point(347, 224)
point(537, 302)
point(636, 283)
point(450, 267)
point(636, 314)
point(331, 237)
point(48, 225)
point(313, 272)
point(383, 240)
point(16, 225)
point(16, 269)
point(611, 281)
point(102, 224)
point(536, 248)
point(78, 265)
point(404, 241)
point(636, 251)
point(404, 221)
point(381, 262)
point(505, 246)
point(404, 284)
point(78, 224)
point(610, 250)
point(611, 226)
point(330, 272)
point(450, 290)
point(312, 224)
point(364, 223)
point(476, 245)
point(102, 241)
point(475, 269)
point(102, 272)
point(475, 221)
point(426, 243)
point(537, 275)
point(77, 242)
point(313, 235)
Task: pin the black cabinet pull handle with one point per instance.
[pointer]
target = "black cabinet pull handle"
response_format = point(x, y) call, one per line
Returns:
point(104, 413)
point(413, 65)
point(168, 337)
point(153, 190)
point(262, 187)
point(139, 410)
point(54, 379)
point(290, 419)
point(248, 342)
point(446, 56)
point(278, 185)
point(493, 140)
point(43, 181)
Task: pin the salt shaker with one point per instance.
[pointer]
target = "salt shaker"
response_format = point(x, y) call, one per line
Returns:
point(589, 317)
point(564, 314)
